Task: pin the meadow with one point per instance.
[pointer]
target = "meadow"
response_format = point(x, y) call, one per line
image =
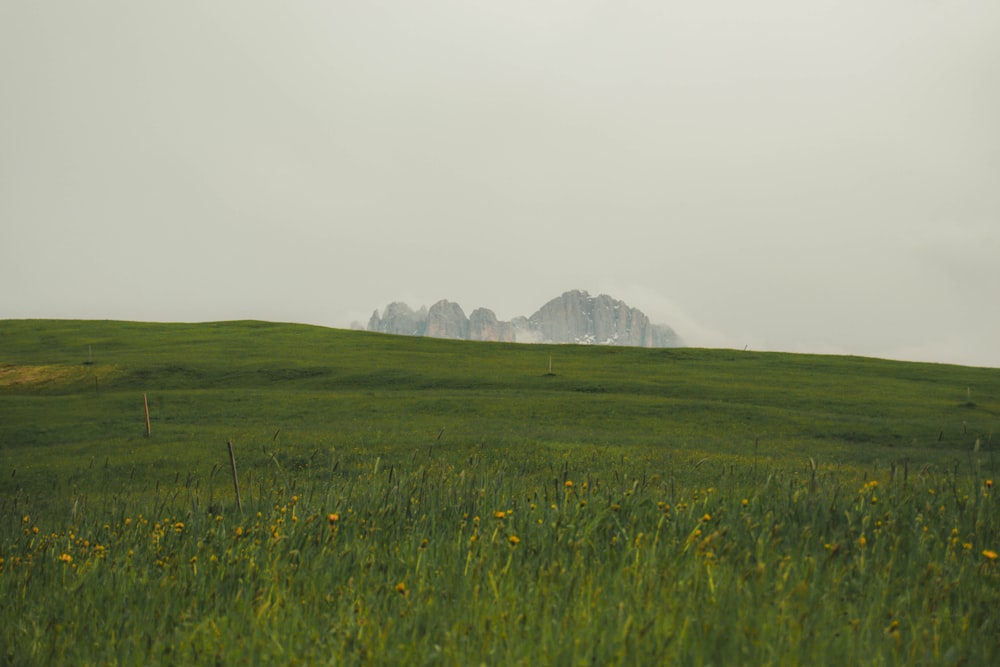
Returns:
point(421, 501)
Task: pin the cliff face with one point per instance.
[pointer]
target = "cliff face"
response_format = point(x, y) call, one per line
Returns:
point(574, 317)
point(447, 320)
point(580, 318)
point(398, 318)
point(484, 325)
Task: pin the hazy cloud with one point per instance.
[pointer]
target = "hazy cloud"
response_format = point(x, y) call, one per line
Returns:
point(812, 176)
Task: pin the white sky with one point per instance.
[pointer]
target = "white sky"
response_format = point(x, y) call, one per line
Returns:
point(818, 176)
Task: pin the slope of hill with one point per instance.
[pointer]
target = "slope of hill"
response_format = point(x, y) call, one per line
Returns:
point(74, 388)
point(472, 498)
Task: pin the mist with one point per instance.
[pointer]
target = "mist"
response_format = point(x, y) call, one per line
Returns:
point(809, 177)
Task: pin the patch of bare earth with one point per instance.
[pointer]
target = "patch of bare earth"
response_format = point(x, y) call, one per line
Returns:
point(32, 376)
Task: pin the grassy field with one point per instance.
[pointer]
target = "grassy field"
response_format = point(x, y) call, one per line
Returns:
point(420, 501)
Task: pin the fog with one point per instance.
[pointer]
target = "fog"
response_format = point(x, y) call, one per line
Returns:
point(809, 177)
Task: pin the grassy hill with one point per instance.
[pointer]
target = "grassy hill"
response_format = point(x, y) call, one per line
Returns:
point(71, 395)
point(412, 500)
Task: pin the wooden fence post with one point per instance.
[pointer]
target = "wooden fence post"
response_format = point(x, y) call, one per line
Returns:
point(236, 481)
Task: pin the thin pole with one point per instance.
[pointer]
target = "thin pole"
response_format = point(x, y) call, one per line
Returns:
point(145, 404)
point(236, 481)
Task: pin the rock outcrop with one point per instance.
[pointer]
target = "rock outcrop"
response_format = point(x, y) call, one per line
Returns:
point(484, 325)
point(398, 318)
point(573, 317)
point(578, 317)
point(447, 320)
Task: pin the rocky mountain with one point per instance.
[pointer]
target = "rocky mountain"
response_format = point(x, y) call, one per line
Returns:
point(398, 318)
point(573, 317)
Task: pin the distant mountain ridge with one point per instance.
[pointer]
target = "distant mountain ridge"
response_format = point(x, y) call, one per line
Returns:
point(574, 317)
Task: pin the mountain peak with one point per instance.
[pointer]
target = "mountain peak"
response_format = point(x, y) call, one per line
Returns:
point(573, 317)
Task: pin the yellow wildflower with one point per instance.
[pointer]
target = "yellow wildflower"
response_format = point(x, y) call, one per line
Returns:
point(989, 554)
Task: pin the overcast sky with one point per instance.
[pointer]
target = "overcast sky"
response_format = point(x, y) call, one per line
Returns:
point(808, 176)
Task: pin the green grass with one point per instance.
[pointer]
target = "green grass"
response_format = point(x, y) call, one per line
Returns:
point(725, 507)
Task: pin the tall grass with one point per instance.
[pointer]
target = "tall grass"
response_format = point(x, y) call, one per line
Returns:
point(415, 501)
point(467, 561)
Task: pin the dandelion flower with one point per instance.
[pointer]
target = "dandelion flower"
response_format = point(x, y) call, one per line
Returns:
point(706, 518)
point(514, 539)
point(401, 588)
point(66, 558)
point(569, 484)
point(989, 554)
point(499, 515)
point(333, 518)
